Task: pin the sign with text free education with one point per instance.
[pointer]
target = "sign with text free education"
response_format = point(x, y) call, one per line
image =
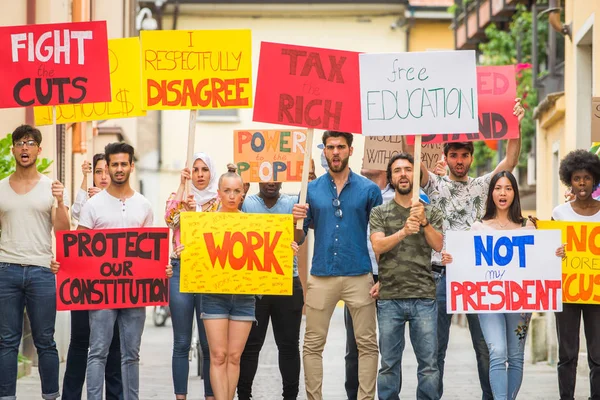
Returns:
point(503, 271)
point(418, 93)
point(237, 253)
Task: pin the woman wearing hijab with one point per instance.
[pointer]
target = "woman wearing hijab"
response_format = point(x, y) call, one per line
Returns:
point(203, 198)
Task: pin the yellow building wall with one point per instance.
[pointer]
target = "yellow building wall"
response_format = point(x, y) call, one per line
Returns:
point(430, 35)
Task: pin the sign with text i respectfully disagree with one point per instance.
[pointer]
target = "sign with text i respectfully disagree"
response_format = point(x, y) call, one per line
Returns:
point(418, 93)
point(269, 155)
point(125, 82)
point(237, 253)
point(503, 271)
point(204, 69)
point(53, 64)
point(308, 87)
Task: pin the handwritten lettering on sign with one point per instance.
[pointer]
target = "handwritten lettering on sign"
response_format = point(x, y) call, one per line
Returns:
point(270, 155)
point(54, 64)
point(503, 271)
point(196, 69)
point(596, 119)
point(112, 268)
point(125, 82)
point(237, 253)
point(379, 150)
point(308, 87)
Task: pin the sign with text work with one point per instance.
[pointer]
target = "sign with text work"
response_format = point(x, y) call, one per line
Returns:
point(112, 268)
point(125, 83)
point(237, 253)
point(269, 155)
point(418, 93)
point(203, 69)
point(308, 87)
point(503, 271)
point(50, 64)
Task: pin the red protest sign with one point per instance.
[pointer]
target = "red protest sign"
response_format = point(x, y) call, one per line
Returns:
point(496, 93)
point(112, 268)
point(308, 86)
point(54, 64)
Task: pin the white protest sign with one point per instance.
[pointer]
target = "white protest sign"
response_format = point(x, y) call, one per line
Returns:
point(418, 93)
point(503, 271)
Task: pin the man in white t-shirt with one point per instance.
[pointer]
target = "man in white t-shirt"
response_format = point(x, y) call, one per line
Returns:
point(118, 206)
point(27, 217)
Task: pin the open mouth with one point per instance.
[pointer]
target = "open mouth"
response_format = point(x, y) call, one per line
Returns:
point(25, 157)
point(502, 202)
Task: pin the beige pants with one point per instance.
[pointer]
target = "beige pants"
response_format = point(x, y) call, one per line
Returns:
point(322, 296)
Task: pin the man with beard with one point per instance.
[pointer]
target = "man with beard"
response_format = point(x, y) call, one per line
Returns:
point(118, 206)
point(27, 217)
point(462, 199)
point(339, 204)
point(403, 234)
point(285, 312)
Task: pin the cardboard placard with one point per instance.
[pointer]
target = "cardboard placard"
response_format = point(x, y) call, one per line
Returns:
point(503, 271)
point(431, 154)
point(269, 155)
point(112, 268)
point(379, 150)
point(237, 253)
point(196, 69)
point(125, 83)
point(595, 119)
point(308, 87)
point(51, 64)
point(418, 93)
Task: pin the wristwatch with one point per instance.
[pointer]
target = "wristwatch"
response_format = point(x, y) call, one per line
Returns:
point(426, 223)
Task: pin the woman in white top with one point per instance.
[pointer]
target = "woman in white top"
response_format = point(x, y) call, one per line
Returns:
point(580, 170)
point(100, 181)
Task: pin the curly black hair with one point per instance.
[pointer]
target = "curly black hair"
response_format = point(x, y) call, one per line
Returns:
point(578, 160)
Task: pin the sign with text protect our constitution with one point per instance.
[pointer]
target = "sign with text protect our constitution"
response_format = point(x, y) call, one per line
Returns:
point(52, 64)
point(418, 93)
point(269, 155)
point(496, 93)
point(308, 87)
point(237, 253)
point(202, 69)
point(112, 268)
point(503, 271)
point(125, 82)
point(581, 267)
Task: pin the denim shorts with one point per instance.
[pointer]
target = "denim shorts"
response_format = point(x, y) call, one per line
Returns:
point(236, 307)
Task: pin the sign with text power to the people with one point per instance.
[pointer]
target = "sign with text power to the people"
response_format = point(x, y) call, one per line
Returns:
point(201, 69)
point(125, 82)
point(112, 268)
point(237, 253)
point(503, 271)
point(308, 87)
point(54, 64)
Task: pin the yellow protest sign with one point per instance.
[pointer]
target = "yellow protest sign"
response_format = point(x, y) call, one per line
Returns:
point(125, 82)
point(237, 253)
point(581, 267)
point(196, 69)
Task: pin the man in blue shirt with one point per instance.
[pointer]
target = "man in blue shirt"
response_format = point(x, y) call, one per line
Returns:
point(285, 311)
point(339, 204)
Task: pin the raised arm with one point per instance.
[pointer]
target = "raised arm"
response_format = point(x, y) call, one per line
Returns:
point(513, 146)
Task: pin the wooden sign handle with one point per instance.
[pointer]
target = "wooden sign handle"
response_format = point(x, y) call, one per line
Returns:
point(305, 169)
point(417, 169)
point(190, 147)
point(55, 136)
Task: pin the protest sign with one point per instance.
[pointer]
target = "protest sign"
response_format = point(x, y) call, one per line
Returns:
point(379, 150)
point(237, 253)
point(308, 87)
point(580, 276)
point(503, 271)
point(431, 154)
point(54, 64)
point(595, 119)
point(202, 69)
point(112, 268)
point(269, 155)
point(125, 84)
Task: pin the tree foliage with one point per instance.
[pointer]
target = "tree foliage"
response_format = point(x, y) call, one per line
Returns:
point(7, 161)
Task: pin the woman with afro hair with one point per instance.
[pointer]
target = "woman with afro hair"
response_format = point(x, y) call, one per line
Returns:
point(580, 170)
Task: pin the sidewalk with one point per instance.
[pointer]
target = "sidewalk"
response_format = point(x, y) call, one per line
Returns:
point(460, 381)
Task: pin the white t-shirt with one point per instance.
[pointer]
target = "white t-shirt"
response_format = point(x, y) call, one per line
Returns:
point(104, 211)
point(80, 200)
point(565, 212)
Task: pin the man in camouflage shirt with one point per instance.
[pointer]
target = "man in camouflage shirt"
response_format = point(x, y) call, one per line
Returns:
point(403, 234)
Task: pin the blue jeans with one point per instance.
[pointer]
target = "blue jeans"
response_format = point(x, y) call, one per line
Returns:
point(182, 307)
point(481, 351)
point(392, 316)
point(505, 335)
point(131, 326)
point(32, 288)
